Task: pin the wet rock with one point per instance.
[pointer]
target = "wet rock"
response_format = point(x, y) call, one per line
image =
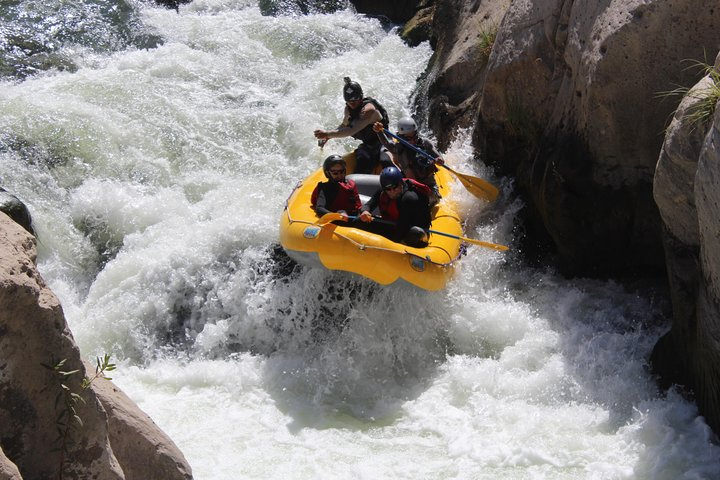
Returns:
point(300, 7)
point(419, 28)
point(13, 207)
point(397, 11)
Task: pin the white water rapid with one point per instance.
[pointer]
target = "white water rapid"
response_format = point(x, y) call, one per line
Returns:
point(156, 179)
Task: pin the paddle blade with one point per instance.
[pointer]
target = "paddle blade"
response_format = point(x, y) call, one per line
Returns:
point(328, 218)
point(477, 186)
point(494, 246)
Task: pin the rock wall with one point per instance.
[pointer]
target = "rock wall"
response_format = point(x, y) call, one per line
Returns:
point(462, 34)
point(567, 103)
point(570, 103)
point(687, 191)
point(33, 333)
point(705, 365)
point(570, 106)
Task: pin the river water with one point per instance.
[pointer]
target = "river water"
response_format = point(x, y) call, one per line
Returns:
point(156, 178)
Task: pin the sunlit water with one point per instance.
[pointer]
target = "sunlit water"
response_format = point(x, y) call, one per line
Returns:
point(156, 179)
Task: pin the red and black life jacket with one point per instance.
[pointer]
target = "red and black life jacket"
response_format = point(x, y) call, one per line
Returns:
point(339, 196)
point(389, 207)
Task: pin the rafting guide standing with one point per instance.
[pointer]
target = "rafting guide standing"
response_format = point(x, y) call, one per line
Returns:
point(360, 114)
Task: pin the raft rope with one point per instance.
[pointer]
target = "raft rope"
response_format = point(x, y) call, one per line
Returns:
point(362, 246)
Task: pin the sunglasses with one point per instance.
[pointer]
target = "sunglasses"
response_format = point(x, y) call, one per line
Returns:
point(390, 187)
point(336, 171)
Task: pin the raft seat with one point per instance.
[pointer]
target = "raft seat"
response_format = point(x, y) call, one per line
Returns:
point(367, 185)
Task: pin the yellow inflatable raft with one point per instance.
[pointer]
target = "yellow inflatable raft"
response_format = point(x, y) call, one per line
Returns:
point(339, 247)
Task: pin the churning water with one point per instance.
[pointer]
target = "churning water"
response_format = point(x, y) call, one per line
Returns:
point(156, 178)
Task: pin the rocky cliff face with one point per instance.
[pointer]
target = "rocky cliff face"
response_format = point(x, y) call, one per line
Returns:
point(569, 106)
point(569, 101)
point(115, 441)
point(687, 192)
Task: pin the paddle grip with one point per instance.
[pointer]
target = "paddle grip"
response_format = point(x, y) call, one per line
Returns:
point(409, 145)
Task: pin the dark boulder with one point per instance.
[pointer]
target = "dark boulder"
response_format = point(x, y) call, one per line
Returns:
point(14, 208)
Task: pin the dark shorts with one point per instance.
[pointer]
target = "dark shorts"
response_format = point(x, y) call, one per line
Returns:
point(367, 158)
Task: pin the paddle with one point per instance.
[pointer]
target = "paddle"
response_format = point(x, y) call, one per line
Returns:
point(328, 218)
point(494, 246)
point(333, 216)
point(477, 186)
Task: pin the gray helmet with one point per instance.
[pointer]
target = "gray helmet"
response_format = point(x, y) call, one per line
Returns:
point(406, 126)
point(330, 161)
point(352, 91)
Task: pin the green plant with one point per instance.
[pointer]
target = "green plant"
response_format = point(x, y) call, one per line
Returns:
point(487, 40)
point(706, 97)
point(67, 400)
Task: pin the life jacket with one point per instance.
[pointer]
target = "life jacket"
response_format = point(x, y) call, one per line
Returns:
point(339, 196)
point(389, 207)
point(367, 135)
point(417, 161)
point(416, 166)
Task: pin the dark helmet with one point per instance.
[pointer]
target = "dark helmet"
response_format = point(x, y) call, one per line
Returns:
point(352, 90)
point(390, 176)
point(416, 237)
point(330, 161)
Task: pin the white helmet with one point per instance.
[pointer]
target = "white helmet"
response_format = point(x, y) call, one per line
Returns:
point(406, 126)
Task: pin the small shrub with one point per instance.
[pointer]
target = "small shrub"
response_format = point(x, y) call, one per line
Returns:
point(707, 98)
point(68, 420)
point(487, 40)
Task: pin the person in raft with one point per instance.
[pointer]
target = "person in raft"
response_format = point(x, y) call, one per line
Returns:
point(413, 165)
point(404, 209)
point(359, 116)
point(338, 194)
